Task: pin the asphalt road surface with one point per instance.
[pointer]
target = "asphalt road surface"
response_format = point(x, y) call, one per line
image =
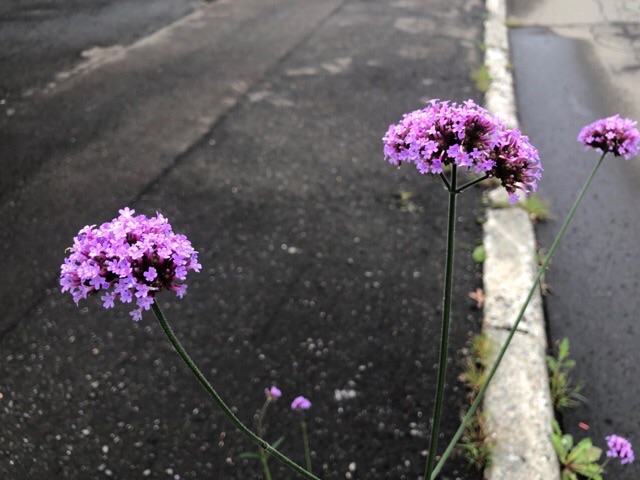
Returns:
point(255, 126)
point(43, 44)
point(574, 64)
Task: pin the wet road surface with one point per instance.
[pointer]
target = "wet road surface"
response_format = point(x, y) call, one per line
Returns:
point(566, 78)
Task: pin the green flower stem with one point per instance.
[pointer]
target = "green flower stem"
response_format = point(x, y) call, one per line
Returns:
point(265, 466)
point(216, 398)
point(443, 177)
point(305, 441)
point(472, 183)
point(444, 334)
point(496, 364)
point(263, 454)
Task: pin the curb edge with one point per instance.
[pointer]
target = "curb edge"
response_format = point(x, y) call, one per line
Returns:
point(517, 404)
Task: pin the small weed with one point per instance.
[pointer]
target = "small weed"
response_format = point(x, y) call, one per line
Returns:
point(513, 23)
point(479, 254)
point(563, 393)
point(482, 78)
point(475, 442)
point(476, 357)
point(403, 202)
point(537, 208)
point(579, 460)
point(541, 256)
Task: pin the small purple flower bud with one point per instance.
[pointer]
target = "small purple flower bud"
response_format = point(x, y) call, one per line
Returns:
point(300, 403)
point(273, 393)
point(620, 447)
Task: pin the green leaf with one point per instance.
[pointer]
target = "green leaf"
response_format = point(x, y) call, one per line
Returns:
point(561, 450)
point(593, 454)
point(563, 349)
point(552, 363)
point(577, 455)
point(589, 470)
point(569, 475)
point(584, 456)
point(479, 254)
point(558, 444)
point(278, 442)
point(249, 455)
point(569, 364)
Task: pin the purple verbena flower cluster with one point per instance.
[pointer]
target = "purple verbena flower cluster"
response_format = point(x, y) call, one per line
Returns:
point(620, 447)
point(300, 403)
point(612, 134)
point(131, 258)
point(468, 136)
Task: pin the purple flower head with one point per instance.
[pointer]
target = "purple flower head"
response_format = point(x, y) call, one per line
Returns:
point(468, 136)
point(443, 134)
point(300, 403)
point(136, 255)
point(612, 134)
point(620, 447)
point(273, 393)
point(516, 164)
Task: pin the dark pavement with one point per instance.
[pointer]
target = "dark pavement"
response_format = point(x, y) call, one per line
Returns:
point(42, 43)
point(256, 127)
point(562, 86)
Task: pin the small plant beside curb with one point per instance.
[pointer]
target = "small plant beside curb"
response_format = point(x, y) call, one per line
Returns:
point(563, 393)
point(403, 200)
point(580, 460)
point(482, 78)
point(479, 254)
point(537, 208)
point(475, 442)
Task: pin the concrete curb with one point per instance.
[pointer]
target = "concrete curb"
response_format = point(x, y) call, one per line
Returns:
point(518, 402)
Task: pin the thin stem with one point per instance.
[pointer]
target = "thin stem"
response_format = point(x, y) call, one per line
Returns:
point(305, 441)
point(471, 183)
point(444, 334)
point(219, 402)
point(601, 470)
point(443, 177)
point(265, 466)
point(263, 412)
point(534, 285)
point(263, 454)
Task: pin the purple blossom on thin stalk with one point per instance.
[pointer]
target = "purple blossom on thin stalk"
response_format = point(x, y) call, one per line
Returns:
point(620, 447)
point(612, 134)
point(131, 258)
point(272, 393)
point(300, 403)
point(517, 164)
point(468, 136)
